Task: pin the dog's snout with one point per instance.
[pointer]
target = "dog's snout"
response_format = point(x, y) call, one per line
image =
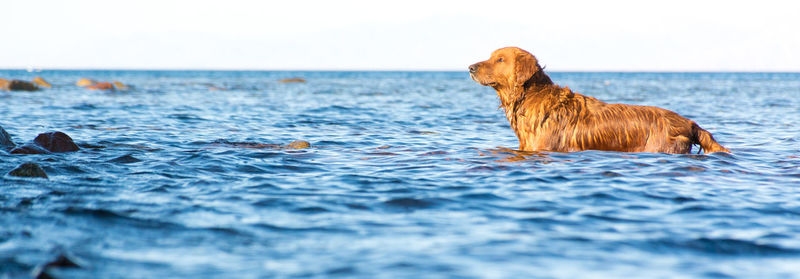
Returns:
point(473, 68)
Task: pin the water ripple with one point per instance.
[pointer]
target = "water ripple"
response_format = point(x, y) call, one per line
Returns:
point(409, 174)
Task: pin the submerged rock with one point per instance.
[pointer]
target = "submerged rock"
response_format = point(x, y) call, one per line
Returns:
point(5, 139)
point(298, 144)
point(125, 159)
point(41, 82)
point(62, 261)
point(28, 170)
point(101, 86)
point(292, 80)
point(85, 82)
point(28, 148)
point(17, 85)
point(56, 142)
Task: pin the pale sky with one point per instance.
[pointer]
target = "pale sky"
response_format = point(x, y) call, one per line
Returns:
point(572, 35)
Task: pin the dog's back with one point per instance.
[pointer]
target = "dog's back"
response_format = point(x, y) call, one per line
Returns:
point(557, 119)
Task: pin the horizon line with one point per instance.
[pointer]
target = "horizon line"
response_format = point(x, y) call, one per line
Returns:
point(39, 70)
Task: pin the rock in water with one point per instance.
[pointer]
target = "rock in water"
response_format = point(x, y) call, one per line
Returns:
point(56, 142)
point(298, 144)
point(41, 82)
point(17, 85)
point(84, 82)
point(28, 170)
point(120, 86)
point(291, 80)
point(62, 261)
point(101, 86)
point(125, 159)
point(28, 148)
point(5, 139)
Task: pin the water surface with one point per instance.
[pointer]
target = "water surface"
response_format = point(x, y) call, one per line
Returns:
point(410, 174)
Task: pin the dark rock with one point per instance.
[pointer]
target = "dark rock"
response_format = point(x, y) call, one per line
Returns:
point(126, 159)
point(28, 170)
point(41, 82)
point(292, 80)
point(17, 85)
point(62, 261)
point(56, 142)
point(92, 146)
point(298, 144)
point(42, 274)
point(28, 148)
point(5, 139)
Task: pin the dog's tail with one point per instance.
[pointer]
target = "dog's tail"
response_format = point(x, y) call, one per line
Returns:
point(706, 140)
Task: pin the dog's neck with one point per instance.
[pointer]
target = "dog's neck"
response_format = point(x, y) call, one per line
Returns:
point(540, 90)
point(538, 78)
point(511, 96)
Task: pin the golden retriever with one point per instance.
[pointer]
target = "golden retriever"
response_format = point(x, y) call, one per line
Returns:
point(548, 117)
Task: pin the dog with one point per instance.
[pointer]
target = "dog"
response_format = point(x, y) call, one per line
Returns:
point(548, 117)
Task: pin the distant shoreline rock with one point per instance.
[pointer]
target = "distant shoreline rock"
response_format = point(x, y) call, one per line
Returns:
point(17, 85)
point(120, 85)
point(41, 82)
point(84, 82)
point(101, 85)
point(292, 80)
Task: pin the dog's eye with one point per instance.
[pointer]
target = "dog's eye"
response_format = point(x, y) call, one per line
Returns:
point(499, 60)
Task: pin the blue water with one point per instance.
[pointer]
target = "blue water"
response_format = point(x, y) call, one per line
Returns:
point(410, 174)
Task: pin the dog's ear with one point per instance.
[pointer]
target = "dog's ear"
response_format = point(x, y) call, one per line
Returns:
point(525, 66)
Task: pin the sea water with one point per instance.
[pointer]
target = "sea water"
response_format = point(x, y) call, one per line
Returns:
point(409, 175)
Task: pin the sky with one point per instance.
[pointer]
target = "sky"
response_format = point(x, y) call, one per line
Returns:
point(565, 35)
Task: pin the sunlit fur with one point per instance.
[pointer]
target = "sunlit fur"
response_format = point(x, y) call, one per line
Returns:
point(547, 117)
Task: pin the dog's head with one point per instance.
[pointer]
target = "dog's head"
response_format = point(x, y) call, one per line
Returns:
point(507, 68)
